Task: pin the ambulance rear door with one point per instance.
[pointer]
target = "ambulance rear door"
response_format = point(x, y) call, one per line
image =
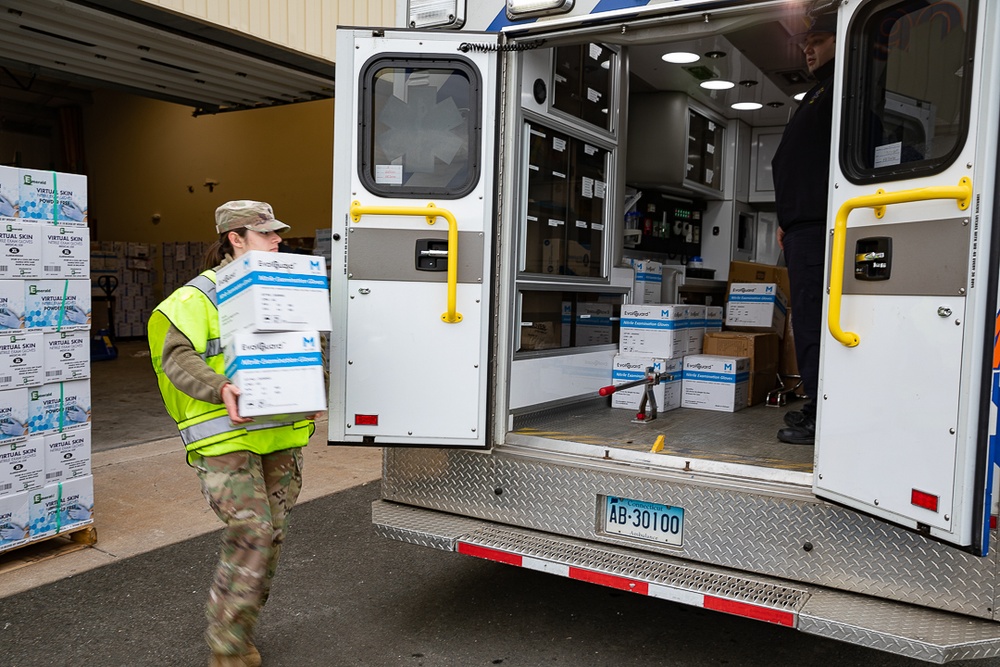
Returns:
point(907, 414)
point(412, 237)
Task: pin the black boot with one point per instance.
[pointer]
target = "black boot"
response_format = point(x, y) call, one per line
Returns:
point(801, 427)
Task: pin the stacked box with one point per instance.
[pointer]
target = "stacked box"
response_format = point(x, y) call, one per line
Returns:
point(593, 323)
point(715, 383)
point(695, 325)
point(57, 305)
point(62, 506)
point(13, 415)
point(65, 251)
point(11, 305)
point(66, 355)
point(654, 330)
point(22, 359)
point(713, 318)
point(22, 466)
point(756, 307)
point(10, 194)
point(323, 244)
point(270, 292)
point(14, 520)
point(629, 368)
point(182, 261)
point(648, 281)
point(20, 249)
point(53, 196)
point(760, 348)
point(67, 455)
point(58, 407)
point(279, 374)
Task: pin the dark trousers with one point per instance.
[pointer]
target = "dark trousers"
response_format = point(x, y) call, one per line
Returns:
point(805, 254)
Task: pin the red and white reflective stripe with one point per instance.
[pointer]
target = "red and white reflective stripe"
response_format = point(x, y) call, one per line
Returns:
point(735, 607)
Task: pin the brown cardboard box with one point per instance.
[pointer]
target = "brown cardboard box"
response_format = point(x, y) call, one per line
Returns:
point(750, 272)
point(761, 348)
point(540, 336)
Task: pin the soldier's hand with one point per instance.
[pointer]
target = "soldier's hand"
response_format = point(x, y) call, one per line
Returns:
point(230, 395)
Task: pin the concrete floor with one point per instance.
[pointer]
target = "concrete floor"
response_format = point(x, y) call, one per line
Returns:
point(127, 408)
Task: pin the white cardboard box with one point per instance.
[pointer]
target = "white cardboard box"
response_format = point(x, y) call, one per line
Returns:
point(695, 327)
point(713, 318)
point(65, 251)
point(715, 383)
point(593, 323)
point(59, 406)
point(37, 190)
point(756, 307)
point(654, 330)
point(20, 249)
point(266, 291)
point(13, 415)
point(61, 506)
point(67, 355)
point(10, 193)
point(631, 367)
point(22, 466)
point(280, 374)
point(57, 305)
point(648, 281)
point(22, 359)
point(67, 455)
point(14, 520)
point(11, 305)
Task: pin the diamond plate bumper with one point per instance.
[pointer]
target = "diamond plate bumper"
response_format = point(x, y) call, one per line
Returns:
point(895, 627)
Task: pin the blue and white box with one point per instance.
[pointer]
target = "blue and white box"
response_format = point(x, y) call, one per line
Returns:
point(22, 359)
point(13, 415)
point(648, 281)
point(61, 506)
point(20, 249)
point(59, 406)
point(713, 318)
point(40, 201)
point(10, 195)
point(65, 251)
point(632, 367)
point(267, 291)
point(22, 466)
point(11, 305)
point(57, 305)
point(714, 382)
point(656, 330)
point(759, 307)
point(67, 455)
point(14, 520)
point(279, 374)
point(67, 355)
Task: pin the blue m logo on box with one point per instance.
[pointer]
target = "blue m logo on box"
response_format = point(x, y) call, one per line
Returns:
point(308, 341)
point(769, 289)
point(727, 367)
point(665, 312)
point(314, 264)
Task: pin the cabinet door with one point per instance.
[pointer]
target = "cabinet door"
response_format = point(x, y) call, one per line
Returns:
point(763, 143)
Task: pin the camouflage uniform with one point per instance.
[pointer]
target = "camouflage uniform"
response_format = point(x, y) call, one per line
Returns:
point(253, 495)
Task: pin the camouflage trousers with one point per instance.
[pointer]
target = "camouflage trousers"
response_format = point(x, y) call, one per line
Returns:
point(253, 495)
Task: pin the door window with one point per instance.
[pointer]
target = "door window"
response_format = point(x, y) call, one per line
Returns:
point(908, 88)
point(419, 127)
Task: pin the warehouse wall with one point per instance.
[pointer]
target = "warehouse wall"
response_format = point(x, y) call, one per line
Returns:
point(304, 25)
point(147, 158)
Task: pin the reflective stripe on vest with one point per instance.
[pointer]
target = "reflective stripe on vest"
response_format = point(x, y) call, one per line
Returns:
point(220, 425)
point(206, 286)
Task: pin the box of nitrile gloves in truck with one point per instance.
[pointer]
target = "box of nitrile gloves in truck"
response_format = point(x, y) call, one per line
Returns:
point(279, 374)
point(270, 291)
point(714, 382)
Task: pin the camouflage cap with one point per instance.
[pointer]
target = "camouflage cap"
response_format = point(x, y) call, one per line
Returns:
point(245, 213)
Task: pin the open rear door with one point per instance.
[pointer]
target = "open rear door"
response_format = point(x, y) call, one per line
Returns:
point(412, 237)
point(906, 413)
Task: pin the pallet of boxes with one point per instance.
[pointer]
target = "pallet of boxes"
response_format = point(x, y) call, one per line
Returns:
point(272, 308)
point(46, 486)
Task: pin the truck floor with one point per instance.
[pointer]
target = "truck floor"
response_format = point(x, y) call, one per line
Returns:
point(747, 436)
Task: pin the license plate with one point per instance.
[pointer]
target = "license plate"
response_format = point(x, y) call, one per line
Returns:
point(645, 521)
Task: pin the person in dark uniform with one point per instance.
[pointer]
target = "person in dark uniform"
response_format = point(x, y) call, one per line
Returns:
point(801, 168)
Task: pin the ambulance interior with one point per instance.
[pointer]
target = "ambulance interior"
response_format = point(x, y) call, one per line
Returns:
point(656, 165)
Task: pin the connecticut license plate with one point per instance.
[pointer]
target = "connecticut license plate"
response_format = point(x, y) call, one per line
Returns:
point(645, 521)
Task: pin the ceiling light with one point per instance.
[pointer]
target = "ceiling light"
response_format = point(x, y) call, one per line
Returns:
point(775, 104)
point(715, 54)
point(748, 83)
point(680, 57)
point(747, 106)
point(717, 84)
point(798, 98)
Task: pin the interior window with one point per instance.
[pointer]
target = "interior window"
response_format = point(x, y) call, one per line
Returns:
point(911, 82)
point(419, 128)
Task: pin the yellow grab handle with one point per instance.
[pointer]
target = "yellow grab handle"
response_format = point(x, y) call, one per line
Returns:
point(431, 213)
point(962, 193)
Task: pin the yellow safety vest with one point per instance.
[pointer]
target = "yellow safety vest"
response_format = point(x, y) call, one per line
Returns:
point(205, 427)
